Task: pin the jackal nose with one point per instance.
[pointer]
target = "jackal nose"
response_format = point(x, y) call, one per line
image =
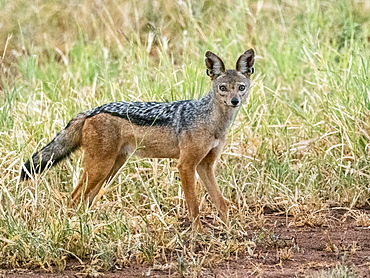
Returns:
point(234, 101)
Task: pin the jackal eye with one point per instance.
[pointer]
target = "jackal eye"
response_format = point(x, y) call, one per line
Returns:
point(241, 87)
point(223, 88)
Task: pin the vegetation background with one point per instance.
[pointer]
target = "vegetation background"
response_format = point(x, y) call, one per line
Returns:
point(300, 145)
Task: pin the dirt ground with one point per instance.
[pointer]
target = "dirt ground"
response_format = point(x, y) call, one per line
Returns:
point(285, 249)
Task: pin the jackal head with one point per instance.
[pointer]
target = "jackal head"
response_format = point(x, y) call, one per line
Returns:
point(230, 87)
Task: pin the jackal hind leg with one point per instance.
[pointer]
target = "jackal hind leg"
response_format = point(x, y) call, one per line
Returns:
point(96, 192)
point(96, 172)
point(120, 160)
point(206, 173)
point(102, 157)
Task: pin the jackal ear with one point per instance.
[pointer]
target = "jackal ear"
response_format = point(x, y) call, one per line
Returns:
point(214, 64)
point(245, 63)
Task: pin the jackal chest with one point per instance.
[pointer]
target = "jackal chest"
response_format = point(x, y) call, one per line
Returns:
point(215, 143)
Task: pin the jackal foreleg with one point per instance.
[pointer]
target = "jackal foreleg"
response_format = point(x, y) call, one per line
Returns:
point(188, 181)
point(197, 156)
point(206, 173)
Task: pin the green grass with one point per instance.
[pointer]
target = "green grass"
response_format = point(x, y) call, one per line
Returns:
point(342, 270)
point(302, 139)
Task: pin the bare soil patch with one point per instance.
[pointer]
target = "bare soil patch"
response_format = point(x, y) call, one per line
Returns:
point(282, 248)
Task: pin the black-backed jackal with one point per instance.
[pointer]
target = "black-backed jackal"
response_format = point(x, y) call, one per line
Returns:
point(193, 131)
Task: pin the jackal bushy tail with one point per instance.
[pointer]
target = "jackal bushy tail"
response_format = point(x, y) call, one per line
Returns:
point(60, 147)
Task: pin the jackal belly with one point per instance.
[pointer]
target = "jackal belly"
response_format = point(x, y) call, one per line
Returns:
point(155, 142)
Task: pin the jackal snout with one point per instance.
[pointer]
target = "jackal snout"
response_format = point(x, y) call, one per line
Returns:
point(235, 101)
